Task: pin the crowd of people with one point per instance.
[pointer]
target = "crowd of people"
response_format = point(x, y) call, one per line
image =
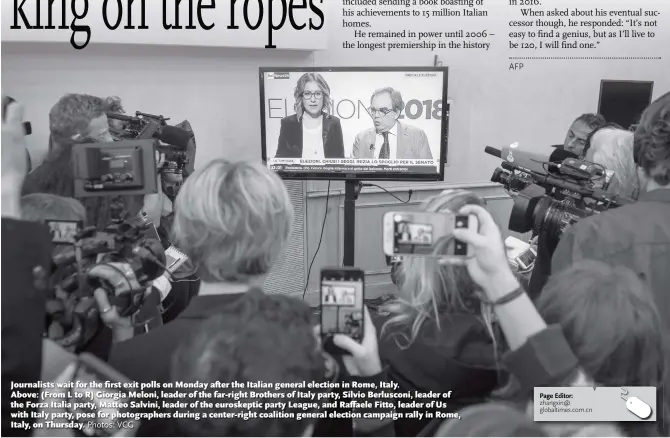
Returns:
point(596, 313)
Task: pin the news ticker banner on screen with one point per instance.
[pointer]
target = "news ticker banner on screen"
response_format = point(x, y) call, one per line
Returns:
point(595, 404)
point(352, 165)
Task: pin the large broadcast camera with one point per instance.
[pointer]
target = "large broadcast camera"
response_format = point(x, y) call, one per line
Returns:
point(121, 261)
point(552, 193)
point(172, 142)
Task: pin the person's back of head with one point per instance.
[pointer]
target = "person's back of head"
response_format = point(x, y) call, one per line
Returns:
point(39, 207)
point(490, 420)
point(610, 321)
point(232, 220)
point(613, 149)
point(429, 286)
point(261, 338)
point(652, 144)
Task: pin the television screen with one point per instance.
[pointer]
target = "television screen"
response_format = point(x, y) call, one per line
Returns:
point(355, 123)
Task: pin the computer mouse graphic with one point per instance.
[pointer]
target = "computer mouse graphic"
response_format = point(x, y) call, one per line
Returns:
point(638, 407)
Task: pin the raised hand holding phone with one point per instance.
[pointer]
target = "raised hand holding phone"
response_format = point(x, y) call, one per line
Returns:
point(427, 234)
point(488, 267)
point(342, 295)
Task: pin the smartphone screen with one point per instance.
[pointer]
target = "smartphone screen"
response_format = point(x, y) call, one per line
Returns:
point(342, 302)
point(64, 232)
point(420, 233)
point(103, 410)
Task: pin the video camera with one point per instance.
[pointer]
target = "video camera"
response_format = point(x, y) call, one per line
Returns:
point(172, 142)
point(119, 260)
point(552, 193)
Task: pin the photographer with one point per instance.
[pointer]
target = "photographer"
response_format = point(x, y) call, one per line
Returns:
point(80, 119)
point(434, 336)
point(635, 235)
point(25, 245)
point(612, 149)
point(582, 343)
point(577, 138)
point(76, 119)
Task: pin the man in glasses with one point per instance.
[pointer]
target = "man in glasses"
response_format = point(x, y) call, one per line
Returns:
point(389, 139)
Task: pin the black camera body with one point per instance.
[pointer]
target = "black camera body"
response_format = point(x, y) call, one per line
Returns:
point(550, 202)
point(118, 168)
point(170, 140)
point(121, 260)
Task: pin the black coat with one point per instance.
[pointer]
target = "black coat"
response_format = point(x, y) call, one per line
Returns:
point(25, 245)
point(290, 138)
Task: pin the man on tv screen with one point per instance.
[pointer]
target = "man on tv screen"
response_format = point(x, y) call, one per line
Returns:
point(390, 139)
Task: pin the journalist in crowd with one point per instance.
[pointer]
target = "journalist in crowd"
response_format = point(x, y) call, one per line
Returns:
point(435, 336)
point(635, 235)
point(25, 245)
point(271, 339)
point(570, 338)
point(578, 136)
point(79, 119)
point(611, 148)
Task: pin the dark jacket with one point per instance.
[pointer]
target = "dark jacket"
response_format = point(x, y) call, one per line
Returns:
point(147, 357)
point(24, 246)
point(635, 235)
point(458, 356)
point(290, 138)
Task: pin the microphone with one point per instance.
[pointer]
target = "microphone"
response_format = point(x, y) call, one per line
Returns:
point(122, 117)
point(530, 161)
point(153, 129)
point(493, 151)
point(372, 146)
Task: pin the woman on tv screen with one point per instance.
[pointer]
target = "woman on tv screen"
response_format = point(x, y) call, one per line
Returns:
point(311, 132)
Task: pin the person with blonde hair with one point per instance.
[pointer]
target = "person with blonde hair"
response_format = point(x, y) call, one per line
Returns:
point(613, 149)
point(232, 220)
point(435, 336)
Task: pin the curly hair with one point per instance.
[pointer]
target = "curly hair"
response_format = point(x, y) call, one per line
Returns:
point(72, 115)
point(652, 141)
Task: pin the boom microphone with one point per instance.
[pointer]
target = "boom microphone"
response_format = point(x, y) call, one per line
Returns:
point(493, 151)
point(530, 161)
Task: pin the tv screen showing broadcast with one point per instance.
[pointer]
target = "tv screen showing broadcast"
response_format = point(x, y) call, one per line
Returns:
point(355, 123)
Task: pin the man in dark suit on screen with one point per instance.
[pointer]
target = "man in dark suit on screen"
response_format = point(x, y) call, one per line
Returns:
point(390, 139)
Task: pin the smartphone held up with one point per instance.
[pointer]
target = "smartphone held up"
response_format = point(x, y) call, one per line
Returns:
point(342, 301)
point(421, 234)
